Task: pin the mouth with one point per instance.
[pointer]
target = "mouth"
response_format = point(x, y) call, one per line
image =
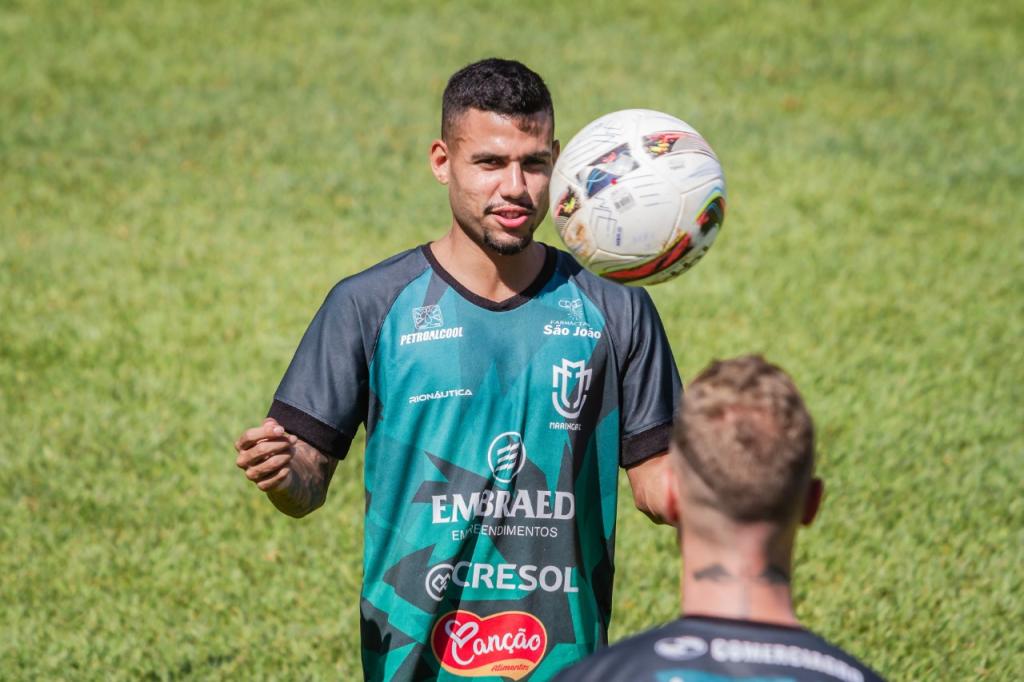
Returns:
point(511, 217)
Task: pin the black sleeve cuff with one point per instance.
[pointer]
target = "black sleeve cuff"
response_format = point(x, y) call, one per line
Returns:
point(646, 444)
point(324, 438)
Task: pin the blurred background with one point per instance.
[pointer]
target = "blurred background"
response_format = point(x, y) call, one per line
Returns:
point(181, 183)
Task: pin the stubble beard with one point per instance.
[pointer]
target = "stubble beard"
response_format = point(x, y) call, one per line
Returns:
point(506, 248)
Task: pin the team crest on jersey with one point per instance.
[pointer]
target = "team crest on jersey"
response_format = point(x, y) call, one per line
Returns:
point(507, 644)
point(506, 456)
point(570, 382)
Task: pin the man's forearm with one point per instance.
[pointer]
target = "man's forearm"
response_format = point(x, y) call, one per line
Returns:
point(305, 487)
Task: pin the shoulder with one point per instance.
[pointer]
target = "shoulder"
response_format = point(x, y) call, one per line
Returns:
point(357, 305)
point(367, 296)
point(386, 277)
point(742, 643)
point(721, 646)
point(628, 659)
point(605, 293)
point(847, 666)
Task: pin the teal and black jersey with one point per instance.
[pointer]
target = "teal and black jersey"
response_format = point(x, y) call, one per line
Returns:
point(494, 434)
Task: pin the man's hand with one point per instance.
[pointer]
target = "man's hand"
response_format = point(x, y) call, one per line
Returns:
point(264, 454)
point(652, 488)
point(293, 473)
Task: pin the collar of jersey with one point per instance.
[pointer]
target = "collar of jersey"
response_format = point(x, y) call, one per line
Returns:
point(527, 294)
point(698, 617)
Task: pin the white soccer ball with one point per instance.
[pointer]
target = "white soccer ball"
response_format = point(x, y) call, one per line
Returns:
point(638, 196)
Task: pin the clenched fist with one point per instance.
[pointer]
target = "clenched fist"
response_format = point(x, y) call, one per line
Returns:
point(265, 453)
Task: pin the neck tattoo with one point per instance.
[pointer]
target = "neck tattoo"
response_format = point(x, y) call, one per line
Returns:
point(717, 573)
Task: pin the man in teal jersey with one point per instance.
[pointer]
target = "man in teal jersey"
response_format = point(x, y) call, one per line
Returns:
point(501, 387)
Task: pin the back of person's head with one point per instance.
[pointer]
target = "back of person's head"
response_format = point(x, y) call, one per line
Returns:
point(502, 86)
point(744, 432)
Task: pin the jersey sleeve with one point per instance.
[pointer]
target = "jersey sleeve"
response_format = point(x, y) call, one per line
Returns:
point(650, 385)
point(323, 396)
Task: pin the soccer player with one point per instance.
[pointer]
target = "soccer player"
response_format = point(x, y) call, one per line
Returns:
point(501, 387)
point(741, 482)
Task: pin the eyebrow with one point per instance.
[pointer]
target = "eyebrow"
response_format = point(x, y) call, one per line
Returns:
point(533, 156)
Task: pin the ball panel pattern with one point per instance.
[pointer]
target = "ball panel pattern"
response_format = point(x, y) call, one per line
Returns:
point(638, 196)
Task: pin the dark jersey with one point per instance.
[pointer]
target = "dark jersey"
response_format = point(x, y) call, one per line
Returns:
point(701, 649)
point(494, 434)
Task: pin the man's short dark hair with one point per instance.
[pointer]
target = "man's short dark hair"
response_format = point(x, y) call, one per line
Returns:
point(502, 86)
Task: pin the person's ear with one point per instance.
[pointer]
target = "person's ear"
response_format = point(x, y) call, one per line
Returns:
point(440, 161)
point(812, 503)
point(556, 149)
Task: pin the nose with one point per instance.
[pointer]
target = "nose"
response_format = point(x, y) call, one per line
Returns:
point(513, 181)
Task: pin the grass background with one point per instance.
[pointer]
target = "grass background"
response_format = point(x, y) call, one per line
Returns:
point(182, 182)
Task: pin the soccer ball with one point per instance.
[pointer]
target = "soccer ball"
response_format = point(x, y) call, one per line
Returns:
point(638, 196)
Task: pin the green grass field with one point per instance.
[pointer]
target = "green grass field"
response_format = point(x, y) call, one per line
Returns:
point(181, 183)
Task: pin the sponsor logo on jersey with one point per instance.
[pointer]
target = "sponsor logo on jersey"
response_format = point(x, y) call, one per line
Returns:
point(771, 653)
point(436, 582)
point(429, 325)
point(427, 317)
point(575, 324)
point(544, 505)
point(504, 530)
point(681, 648)
point(574, 307)
point(430, 335)
point(441, 395)
point(507, 644)
point(558, 328)
point(570, 382)
point(506, 456)
point(503, 504)
point(504, 577)
point(530, 505)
